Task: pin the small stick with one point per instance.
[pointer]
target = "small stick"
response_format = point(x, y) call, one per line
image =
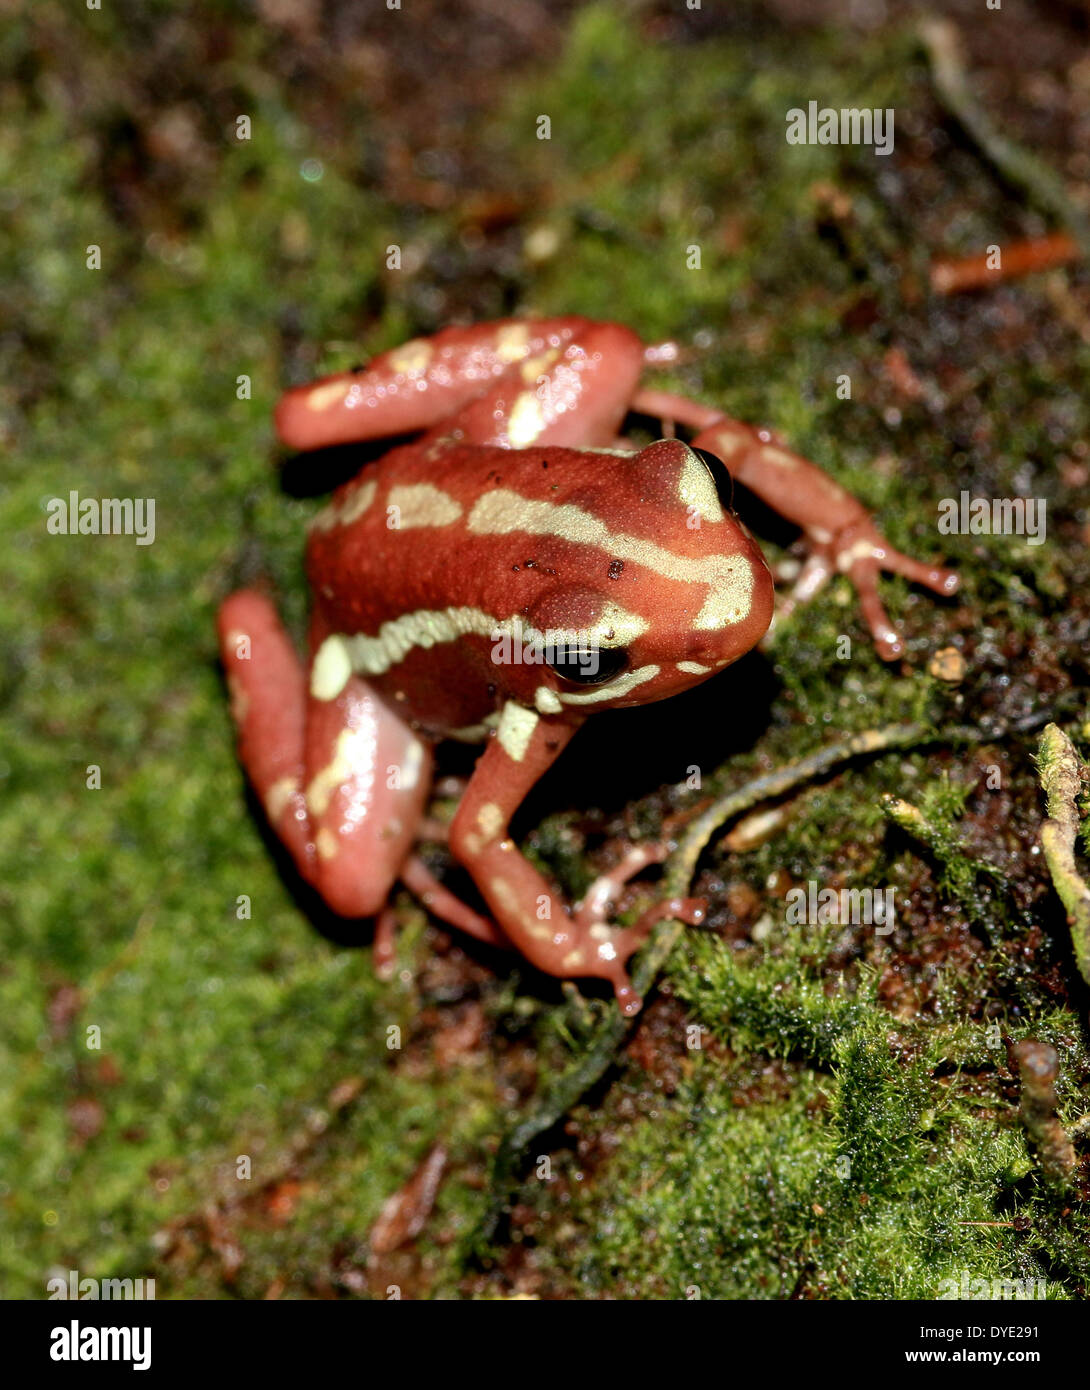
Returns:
point(1018, 166)
point(1064, 776)
point(1038, 1066)
point(953, 275)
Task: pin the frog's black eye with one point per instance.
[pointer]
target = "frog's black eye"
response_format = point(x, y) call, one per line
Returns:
point(724, 483)
point(593, 666)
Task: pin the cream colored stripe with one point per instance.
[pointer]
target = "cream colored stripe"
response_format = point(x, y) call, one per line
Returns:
point(427, 627)
point(621, 686)
point(353, 752)
point(348, 509)
point(279, 796)
point(525, 421)
point(729, 577)
point(512, 342)
point(322, 397)
point(422, 505)
point(546, 701)
point(697, 490)
point(330, 669)
point(516, 729)
point(411, 358)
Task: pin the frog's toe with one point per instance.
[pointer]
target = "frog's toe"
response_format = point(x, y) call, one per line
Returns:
point(599, 900)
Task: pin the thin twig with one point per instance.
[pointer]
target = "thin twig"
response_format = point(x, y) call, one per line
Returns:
point(1065, 777)
point(1016, 165)
point(1038, 1068)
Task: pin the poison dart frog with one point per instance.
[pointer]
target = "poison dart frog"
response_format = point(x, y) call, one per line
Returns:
point(514, 569)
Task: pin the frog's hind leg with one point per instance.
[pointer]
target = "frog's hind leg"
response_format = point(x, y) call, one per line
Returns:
point(441, 903)
point(268, 704)
point(416, 385)
point(368, 781)
point(343, 781)
point(570, 390)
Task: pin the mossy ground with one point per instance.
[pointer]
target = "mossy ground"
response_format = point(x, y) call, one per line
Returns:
point(848, 1115)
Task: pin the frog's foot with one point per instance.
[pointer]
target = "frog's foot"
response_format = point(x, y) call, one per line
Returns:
point(600, 898)
point(627, 940)
point(861, 552)
point(441, 903)
point(807, 581)
point(384, 949)
point(592, 914)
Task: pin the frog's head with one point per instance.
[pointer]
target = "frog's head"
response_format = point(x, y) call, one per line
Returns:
point(669, 587)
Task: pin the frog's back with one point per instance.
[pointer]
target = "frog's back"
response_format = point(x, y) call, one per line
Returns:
point(422, 559)
point(422, 563)
point(461, 526)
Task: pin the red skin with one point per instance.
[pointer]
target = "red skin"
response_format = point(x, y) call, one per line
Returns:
point(470, 528)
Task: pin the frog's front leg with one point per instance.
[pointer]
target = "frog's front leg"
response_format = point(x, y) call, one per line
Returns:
point(839, 531)
point(530, 912)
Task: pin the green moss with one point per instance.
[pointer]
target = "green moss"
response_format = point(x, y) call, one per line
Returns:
point(935, 822)
point(845, 1189)
point(766, 1000)
point(215, 1035)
